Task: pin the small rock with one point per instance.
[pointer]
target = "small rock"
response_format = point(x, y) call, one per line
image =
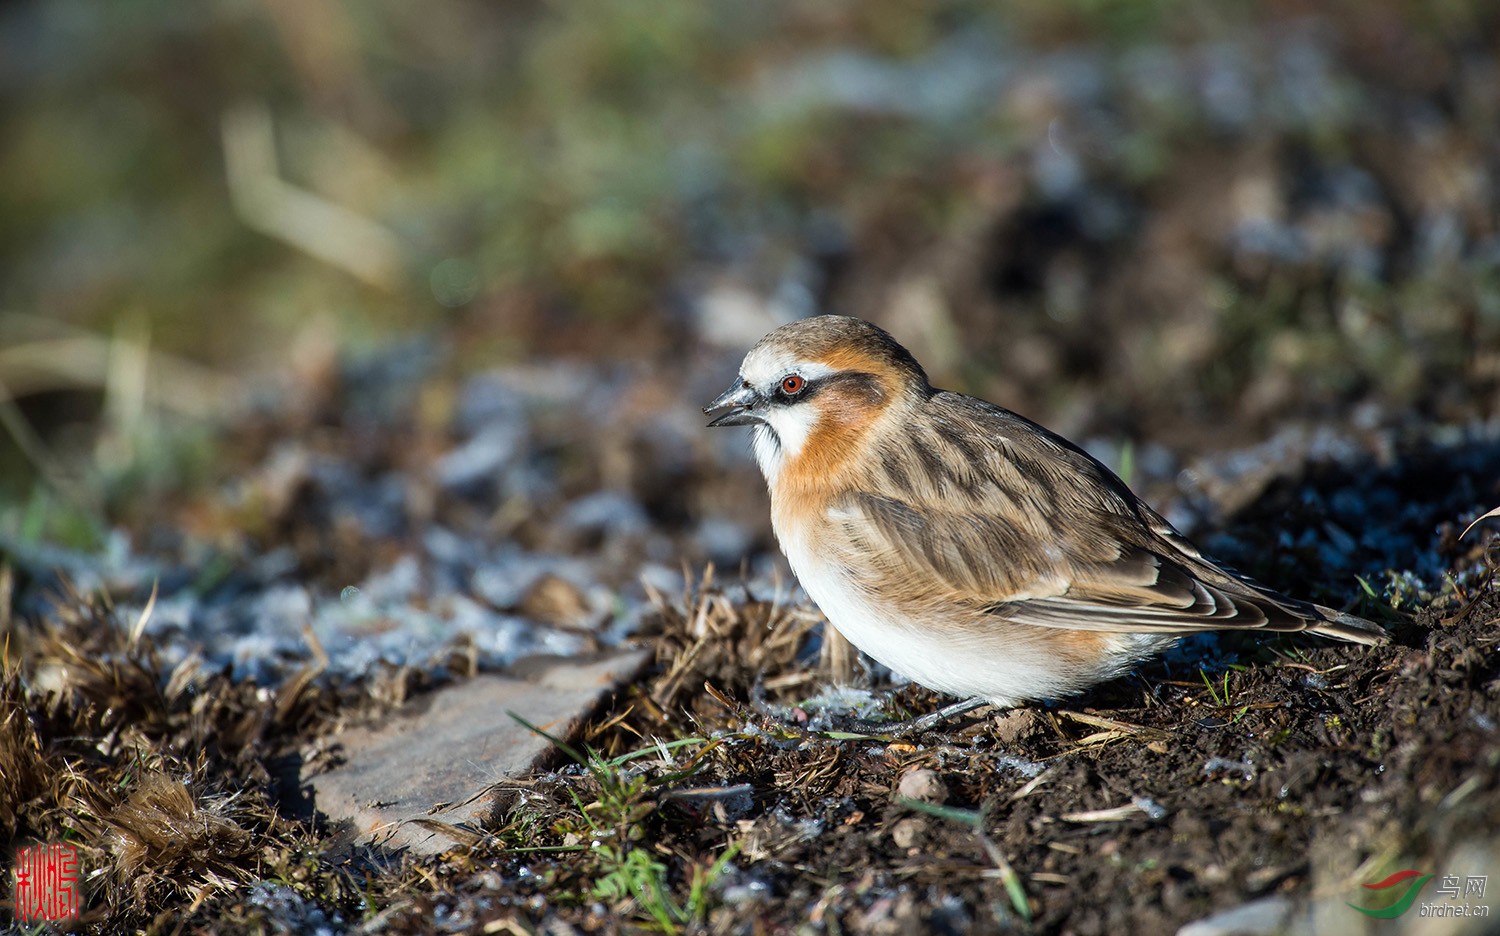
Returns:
point(1015, 725)
point(287, 908)
point(743, 889)
point(889, 916)
point(908, 832)
point(555, 600)
point(604, 513)
point(1257, 918)
point(475, 463)
point(487, 400)
point(1225, 767)
point(923, 785)
point(504, 580)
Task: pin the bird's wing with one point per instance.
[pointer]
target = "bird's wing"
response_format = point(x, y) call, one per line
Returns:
point(990, 510)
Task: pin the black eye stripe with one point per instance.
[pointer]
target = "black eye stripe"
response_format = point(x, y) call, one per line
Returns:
point(863, 383)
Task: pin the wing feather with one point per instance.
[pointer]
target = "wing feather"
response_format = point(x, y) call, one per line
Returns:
point(993, 511)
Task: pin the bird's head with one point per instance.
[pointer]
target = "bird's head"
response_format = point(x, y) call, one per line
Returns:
point(820, 384)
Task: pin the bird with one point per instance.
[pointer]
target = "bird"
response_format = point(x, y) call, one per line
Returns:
point(964, 546)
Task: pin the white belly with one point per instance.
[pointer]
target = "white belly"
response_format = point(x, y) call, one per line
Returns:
point(998, 664)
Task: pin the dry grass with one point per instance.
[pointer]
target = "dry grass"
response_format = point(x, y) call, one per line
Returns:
point(740, 645)
point(163, 777)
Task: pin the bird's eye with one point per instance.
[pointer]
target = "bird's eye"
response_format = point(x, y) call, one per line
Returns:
point(792, 384)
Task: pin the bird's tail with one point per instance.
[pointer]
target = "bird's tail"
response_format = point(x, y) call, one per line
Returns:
point(1342, 626)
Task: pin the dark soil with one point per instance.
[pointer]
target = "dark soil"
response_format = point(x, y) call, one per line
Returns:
point(1248, 261)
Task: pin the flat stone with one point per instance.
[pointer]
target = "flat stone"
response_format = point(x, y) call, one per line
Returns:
point(432, 764)
point(1268, 916)
point(923, 785)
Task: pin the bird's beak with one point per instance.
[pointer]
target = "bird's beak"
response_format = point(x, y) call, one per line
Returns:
point(742, 403)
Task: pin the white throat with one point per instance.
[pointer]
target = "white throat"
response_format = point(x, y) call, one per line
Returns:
point(782, 437)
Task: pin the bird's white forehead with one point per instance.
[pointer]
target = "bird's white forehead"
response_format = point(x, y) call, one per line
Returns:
point(766, 365)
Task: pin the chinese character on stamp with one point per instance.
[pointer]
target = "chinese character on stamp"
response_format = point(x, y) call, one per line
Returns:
point(45, 880)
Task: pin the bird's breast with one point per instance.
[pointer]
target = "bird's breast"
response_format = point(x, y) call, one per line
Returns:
point(924, 633)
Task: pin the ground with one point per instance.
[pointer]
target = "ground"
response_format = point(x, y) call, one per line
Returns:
point(734, 787)
point(255, 489)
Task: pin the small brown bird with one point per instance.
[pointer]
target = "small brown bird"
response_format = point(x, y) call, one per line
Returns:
point(965, 546)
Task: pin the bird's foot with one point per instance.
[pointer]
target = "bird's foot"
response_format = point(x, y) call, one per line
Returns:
point(921, 723)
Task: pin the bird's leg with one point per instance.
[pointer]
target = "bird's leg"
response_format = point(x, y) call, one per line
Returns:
point(931, 719)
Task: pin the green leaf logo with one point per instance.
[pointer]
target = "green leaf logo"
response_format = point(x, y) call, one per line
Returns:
point(1406, 900)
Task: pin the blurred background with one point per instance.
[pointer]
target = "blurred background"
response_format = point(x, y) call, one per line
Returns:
point(1169, 228)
